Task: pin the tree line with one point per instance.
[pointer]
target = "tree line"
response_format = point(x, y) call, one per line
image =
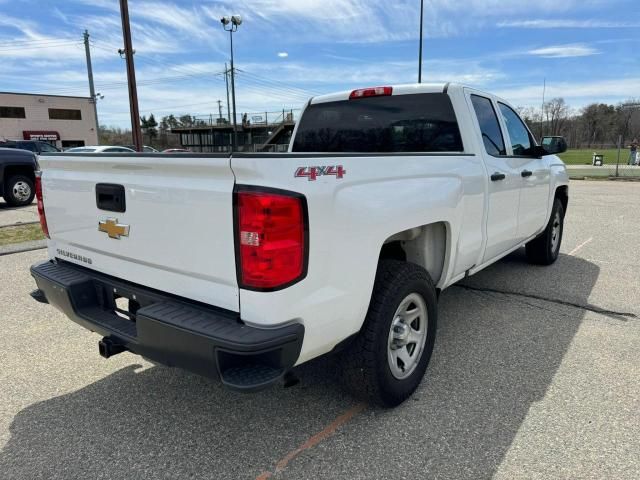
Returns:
point(597, 125)
point(156, 134)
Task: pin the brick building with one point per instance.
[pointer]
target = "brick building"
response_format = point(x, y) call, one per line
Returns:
point(61, 120)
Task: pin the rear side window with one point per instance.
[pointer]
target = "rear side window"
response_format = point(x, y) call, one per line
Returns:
point(398, 123)
point(489, 125)
point(45, 147)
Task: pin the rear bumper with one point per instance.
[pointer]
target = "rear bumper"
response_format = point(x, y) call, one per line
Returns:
point(171, 330)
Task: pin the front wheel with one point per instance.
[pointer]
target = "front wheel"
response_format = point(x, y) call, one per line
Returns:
point(387, 361)
point(544, 249)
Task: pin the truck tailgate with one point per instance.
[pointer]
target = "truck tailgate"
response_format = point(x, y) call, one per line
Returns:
point(178, 210)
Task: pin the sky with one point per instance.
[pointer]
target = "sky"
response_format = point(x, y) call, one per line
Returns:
point(286, 51)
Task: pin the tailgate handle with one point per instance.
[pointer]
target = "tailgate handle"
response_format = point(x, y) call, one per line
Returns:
point(110, 197)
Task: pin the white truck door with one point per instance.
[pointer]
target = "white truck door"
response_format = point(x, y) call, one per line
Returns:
point(535, 175)
point(504, 179)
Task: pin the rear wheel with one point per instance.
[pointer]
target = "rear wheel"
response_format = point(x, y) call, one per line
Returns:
point(387, 361)
point(544, 249)
point(19, 190)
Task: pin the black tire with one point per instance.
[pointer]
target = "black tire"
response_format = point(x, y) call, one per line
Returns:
point(544, 250)
point(366, 369)
point(14, 186)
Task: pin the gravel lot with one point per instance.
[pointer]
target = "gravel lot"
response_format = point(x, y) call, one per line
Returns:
point(518, 387)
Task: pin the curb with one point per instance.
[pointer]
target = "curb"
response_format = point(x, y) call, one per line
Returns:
point(22, 247)
point(19, 224)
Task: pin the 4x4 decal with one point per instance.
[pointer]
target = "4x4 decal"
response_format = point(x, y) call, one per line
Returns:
point(312, 173)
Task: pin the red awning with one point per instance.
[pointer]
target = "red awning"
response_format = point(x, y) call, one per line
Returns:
point(40, 135)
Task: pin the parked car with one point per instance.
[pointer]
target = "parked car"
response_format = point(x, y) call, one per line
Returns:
point(35, 146)
point(145, 148)
point(100, 149)
point(241, 266)
point(17, 176)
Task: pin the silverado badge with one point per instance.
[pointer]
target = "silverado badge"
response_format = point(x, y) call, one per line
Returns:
point(111, 227)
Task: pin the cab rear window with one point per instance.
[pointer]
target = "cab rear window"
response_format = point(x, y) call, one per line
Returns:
point(398, 123)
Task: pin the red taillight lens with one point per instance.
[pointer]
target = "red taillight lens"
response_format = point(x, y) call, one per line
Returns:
point(371, 92)
point(43, 218)
point(272, 239)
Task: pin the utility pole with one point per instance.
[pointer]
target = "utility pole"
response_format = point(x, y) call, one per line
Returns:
point(226, 82)
point(219, 109)
point(420, 48)
point(544, 91)
point(131, 77)
point(92, 90)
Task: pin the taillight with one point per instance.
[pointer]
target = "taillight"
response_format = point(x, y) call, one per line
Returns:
point(43, 218)
point(272, 238)
point(371, 92)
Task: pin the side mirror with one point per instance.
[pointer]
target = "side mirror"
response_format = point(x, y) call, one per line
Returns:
point(553, 145)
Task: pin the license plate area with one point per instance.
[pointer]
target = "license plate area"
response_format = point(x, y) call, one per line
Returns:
point(121, 302)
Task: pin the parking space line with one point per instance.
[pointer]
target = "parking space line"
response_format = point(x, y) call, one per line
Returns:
point(575, 250)
point(314, 440)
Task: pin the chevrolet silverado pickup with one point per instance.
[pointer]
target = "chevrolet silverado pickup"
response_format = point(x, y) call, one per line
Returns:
point(241, 266)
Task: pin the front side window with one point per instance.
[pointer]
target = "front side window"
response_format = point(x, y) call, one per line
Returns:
point(520, 138)
point(396, 123)
point(64, 114)
point(12, 112)
point(489, 126)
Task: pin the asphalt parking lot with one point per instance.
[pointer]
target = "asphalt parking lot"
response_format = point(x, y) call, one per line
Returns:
point(541, 382)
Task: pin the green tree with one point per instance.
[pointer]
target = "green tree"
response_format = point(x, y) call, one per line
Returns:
point(149, 127)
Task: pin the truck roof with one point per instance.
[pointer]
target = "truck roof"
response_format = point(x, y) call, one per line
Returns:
point(402, 89)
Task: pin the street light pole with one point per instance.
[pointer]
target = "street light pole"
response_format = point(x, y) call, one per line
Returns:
point(420, 47)
point(233, 96)
point(231, 24)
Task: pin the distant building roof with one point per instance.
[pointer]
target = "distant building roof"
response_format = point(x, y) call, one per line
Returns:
point(43, 95)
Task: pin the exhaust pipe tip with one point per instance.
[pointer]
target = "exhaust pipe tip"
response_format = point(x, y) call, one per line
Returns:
point(108, 348)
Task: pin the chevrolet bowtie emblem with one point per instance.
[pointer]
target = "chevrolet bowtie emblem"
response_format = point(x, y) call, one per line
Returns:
point(111, 227)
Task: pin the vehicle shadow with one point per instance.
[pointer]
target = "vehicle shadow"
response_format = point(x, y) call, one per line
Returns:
point(495, 356)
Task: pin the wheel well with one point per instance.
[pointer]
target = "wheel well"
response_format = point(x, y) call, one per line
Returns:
point(424, 246)
point(562, 193)
point(25, 170)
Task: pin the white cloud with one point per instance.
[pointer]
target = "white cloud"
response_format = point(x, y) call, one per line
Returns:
point(565, 51)
point(566, 23)
point(283, 54)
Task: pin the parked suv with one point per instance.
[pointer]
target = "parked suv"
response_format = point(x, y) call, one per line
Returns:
point(17, 177)
point(34, 146)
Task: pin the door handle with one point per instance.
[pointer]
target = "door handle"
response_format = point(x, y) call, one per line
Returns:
point(526, 173)
point(498, 176)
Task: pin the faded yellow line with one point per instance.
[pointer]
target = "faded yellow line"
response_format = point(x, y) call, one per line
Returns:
point(314, 440)
point(575, 250)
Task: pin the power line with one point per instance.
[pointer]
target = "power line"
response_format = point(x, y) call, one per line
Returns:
point(38, 47)
point(278, 83)
point(15, 43)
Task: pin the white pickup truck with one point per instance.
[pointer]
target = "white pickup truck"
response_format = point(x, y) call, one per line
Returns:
point(241, 266)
